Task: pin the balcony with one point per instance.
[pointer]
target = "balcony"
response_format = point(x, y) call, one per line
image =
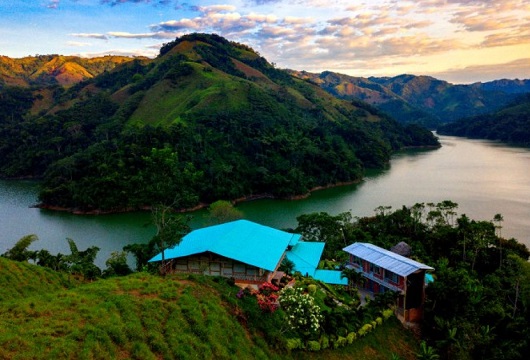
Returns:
point(376, 279)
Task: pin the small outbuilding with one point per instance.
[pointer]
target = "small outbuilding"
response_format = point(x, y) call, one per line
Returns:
point(402, 248)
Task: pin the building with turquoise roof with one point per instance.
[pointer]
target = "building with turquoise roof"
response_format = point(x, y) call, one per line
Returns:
point(246, 251)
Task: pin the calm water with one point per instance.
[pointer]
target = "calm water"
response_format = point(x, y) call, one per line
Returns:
point(484, 178)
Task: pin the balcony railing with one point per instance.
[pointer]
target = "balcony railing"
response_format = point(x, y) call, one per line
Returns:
point(376, 279)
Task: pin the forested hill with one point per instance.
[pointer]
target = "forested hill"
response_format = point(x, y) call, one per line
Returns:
point(510, 124)
point(207, 119)
point(421, 99)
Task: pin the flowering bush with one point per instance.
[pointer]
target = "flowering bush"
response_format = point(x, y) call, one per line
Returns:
point(303, 315)
point(266, 295)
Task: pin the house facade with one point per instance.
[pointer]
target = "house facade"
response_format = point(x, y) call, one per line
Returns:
point(384, 270)
point(248, 252)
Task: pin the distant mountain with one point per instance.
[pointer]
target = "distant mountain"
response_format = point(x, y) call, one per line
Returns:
point(507, 86)
point(208, 119)
point(420, 99)
point(45, 70)
point(511, 124)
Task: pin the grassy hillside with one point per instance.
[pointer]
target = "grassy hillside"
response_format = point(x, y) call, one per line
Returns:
point(148, 317)
point(20, 280)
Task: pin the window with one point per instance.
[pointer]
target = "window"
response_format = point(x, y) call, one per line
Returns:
point(375, 269)
point(390, 276)
point(356, 260)
point(239, 268)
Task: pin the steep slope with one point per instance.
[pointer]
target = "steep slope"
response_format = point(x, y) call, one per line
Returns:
point(369, 91)
point(208, 119)
point(142, 316)
point(510, 124)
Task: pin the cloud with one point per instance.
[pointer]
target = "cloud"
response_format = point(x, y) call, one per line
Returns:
point(92, 36)
point(53, 4)
point(173, 25)
point(215, 8)
point(341, 34)
point(77, 44)
point(519, 68)
point(505, 39)
point(119, 2)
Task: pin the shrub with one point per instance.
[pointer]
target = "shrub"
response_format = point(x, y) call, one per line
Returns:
point(311, 289)
point(302, 314)
point(351, 337)
point(293, 344)
point(379, 320)
point(340, 342)
point(365, 329)
point(324, 342)
point(313, 345)
point(387, 313)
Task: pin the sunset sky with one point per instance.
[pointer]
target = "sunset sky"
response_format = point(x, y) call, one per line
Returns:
point(461, 41)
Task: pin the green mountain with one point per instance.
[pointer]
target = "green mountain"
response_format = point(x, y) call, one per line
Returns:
point(45, 315)
point(511, 124)
point(207, 119)
point(420, 99)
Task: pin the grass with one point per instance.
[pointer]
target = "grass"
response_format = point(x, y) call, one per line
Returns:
point(46, 315)
point(20, 280)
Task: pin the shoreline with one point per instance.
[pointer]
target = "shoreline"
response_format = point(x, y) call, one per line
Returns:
point(194, 208)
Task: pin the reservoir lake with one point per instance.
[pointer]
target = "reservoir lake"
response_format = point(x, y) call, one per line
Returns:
point(484, 178)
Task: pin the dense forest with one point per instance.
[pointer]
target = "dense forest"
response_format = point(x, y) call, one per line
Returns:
point(208, 119)
point(478, 306)
point(510, 124)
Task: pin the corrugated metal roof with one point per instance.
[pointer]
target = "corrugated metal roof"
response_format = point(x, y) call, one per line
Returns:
point(306, 255)
point(386, 259)
point(241, 240)
point(330, 277)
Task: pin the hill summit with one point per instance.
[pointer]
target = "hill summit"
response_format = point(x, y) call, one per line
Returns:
point(207, 119)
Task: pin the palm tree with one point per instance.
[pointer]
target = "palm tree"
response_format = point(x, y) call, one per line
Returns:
point(354, 278)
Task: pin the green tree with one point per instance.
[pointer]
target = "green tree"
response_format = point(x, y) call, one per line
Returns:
point(287, 266)
point(82, 262)
point(332, 230)
point(354, 278)
point(223, 211)
point(170, 229)
point(20, 251)
point(117, 265)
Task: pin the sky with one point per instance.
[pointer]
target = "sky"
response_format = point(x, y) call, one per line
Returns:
point(460, 41)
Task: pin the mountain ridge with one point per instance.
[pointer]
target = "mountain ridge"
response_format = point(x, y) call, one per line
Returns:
point(211, 115)
point(420, 99)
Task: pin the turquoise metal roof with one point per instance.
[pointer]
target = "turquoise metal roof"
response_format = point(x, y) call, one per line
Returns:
point(241, 240)
point(306, 255)
point(330, 277)
point(386, 259)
